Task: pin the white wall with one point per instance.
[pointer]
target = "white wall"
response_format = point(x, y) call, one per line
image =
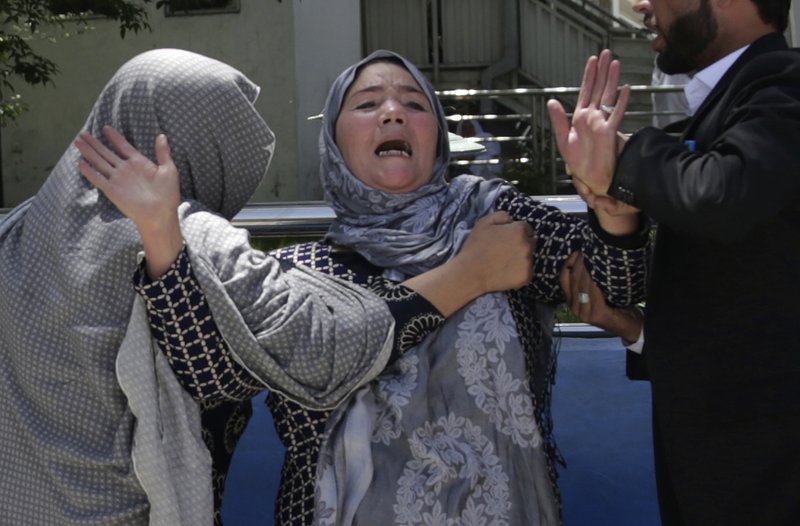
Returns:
point(293, 59)
point(327, 40)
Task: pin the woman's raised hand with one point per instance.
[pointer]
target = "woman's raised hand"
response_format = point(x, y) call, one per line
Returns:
point(146, 192)
point(142, 190)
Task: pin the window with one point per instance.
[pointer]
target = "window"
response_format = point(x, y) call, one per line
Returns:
point(200, 7)
point(76, 7)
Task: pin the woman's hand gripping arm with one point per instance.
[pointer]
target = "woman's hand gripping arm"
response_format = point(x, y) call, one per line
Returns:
point(497, 255)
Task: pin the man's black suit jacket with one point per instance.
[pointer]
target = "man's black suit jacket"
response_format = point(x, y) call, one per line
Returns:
point(723, 304)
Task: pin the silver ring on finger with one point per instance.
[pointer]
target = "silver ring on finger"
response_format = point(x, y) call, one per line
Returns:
point(607, 109)
point(583, 298)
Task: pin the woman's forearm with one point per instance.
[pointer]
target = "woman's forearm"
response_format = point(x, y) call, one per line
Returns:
point(162, 242)
point(618, 225)
point(447, 287)
point(497, 256)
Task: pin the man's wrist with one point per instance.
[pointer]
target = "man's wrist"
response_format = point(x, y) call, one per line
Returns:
point(636, 346)
point(633, 337)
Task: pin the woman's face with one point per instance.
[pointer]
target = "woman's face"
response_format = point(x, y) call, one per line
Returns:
point(386, 130)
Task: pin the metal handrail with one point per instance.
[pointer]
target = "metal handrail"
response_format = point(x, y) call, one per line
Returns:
point(312, 218)
point(551, 92)
point(539, 149)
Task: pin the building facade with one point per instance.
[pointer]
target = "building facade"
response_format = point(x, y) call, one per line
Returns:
point(292, 49)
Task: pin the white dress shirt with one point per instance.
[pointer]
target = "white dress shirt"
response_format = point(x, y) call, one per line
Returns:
point(701, 84)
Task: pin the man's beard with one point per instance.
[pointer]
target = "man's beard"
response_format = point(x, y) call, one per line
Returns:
point(687, 38)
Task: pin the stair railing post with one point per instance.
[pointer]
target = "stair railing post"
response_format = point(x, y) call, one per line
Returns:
point(435, 44)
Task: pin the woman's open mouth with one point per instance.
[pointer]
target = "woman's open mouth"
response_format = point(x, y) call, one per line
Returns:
point(394, 149)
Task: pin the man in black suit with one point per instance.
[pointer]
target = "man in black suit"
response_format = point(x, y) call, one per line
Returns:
point(720, 338)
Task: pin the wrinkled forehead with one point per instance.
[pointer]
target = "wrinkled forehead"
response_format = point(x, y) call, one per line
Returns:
point(381, 75)
point(355, 75)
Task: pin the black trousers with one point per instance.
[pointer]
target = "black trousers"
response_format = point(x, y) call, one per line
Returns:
point(744, 473)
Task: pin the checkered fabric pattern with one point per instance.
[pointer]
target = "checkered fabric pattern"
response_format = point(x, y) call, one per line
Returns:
point(180, 320)
point(182, 324)
point(204, 370)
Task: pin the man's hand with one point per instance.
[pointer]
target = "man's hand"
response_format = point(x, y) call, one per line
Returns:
point(589, 147)
point(586, 301)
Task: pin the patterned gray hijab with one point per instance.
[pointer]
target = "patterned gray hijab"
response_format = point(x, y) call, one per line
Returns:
point(96, 429)
point(407, 233)
point(66, 259)
point(447, 434)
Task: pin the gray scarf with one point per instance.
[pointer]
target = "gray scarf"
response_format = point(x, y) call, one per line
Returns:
point(448, 433)
point(95, 428)
point(408, 233)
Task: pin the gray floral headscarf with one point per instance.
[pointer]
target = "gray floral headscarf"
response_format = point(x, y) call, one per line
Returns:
point(447, 433)
point(411, 232)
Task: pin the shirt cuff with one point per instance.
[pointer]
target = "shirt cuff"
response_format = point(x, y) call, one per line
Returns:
point(415, 317)
point(638, 344)
point(153, 290)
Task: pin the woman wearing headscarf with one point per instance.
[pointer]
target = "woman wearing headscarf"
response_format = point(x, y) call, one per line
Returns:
point(458, 429)
point(96, 429)
point(483, 377)
point(312, 337)
point(67, 317)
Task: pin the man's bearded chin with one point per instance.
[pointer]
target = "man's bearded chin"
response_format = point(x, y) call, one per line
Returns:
point(673, 63)
point(687, 39)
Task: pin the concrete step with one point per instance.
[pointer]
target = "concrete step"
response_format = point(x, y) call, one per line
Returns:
point(633, 49)
point(636, 56)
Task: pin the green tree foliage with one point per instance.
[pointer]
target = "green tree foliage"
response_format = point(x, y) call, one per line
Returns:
point(22, 21)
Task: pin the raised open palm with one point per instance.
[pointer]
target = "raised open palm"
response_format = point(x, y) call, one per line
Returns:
point(589, 145)
point(144, 191)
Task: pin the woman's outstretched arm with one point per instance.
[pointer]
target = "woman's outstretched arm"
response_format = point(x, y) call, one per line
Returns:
point(149, 194)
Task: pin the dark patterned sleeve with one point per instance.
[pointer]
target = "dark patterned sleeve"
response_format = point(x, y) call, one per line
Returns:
point(415, 317)
point(181, 323)
point(618, 264)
